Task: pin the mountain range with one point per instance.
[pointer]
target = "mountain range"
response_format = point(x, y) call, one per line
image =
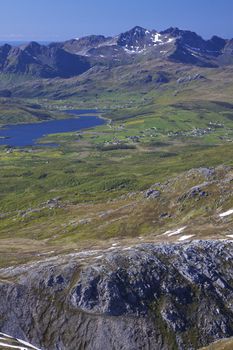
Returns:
point(74, 57)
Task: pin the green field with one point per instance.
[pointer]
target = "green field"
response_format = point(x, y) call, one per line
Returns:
point(90, 190)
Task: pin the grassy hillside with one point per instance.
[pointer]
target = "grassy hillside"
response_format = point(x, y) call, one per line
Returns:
point(149, 81)
point(15, 110)
point(90, 191)
point(226, 344)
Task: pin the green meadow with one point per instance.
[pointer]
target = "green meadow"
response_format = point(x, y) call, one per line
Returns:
point(56, 198)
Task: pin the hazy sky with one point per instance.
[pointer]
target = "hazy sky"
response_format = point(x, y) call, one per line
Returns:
point(65, 19)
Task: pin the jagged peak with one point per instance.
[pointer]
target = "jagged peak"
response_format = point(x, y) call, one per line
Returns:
point(32, 45)
point(218, 40)
point(177, 32)
point(171, 30)
point(138, 29)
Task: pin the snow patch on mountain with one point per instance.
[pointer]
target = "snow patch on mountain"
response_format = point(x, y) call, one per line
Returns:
point(134, 50)
point(185, 237)
point(175, 232)
point(156, 38)
point(226, 213)
point(9, 342)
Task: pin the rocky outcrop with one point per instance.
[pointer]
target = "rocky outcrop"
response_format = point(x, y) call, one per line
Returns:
point(168, 296)
point(151, 193)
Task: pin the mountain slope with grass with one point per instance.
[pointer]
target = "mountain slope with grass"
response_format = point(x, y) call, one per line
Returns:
point(119, 236)
point(226, 344)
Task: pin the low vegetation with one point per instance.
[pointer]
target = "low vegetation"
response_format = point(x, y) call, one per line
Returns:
point(90, 190)
point(226, 344)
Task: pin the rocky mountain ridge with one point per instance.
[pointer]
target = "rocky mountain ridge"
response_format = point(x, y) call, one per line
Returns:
point(141, 41)
point(41, 61)
point(166, 296)
point(76, 56)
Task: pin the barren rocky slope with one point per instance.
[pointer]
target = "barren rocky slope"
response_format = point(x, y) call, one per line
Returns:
point(167, 296)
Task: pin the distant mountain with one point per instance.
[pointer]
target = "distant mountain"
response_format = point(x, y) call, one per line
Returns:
point(172, 44)
point(76, 56)
point(42, 61)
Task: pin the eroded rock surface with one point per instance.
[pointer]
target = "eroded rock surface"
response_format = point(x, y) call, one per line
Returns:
point(167, 296)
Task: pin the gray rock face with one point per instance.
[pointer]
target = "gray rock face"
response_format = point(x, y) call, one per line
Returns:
point(190, 78)
point(207, 172)
point(198, 191)
point(152, 194)
point(168, 296)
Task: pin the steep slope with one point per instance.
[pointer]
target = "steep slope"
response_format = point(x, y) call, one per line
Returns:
point(76, 56)
point(40, 61)
point(193, 49)
point(82, 45)
point(175, 44)
point(144, 297)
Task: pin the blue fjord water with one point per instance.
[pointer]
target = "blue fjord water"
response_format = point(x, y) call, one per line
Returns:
point(22, 135)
